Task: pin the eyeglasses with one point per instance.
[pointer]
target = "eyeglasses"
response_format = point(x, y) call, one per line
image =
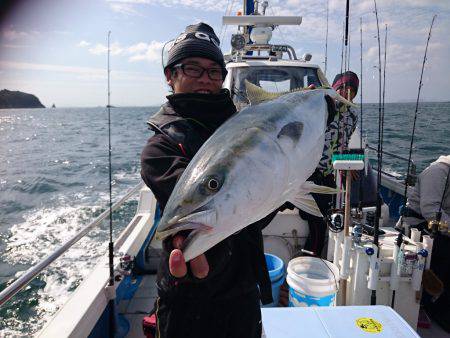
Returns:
point(197, 71)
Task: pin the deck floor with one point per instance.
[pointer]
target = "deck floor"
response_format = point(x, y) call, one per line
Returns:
point(137, 308)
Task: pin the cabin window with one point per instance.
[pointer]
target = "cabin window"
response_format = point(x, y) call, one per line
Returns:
point(273, 79)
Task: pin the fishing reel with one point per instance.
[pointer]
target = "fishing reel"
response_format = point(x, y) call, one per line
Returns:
point(126, 265)
point(335, 222)
point(440, 226)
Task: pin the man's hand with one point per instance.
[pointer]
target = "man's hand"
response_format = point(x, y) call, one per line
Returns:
point(177, 264)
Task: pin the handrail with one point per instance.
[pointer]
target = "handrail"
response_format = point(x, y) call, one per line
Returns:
point(390, 154)
point(23, 280)
point(413, 165)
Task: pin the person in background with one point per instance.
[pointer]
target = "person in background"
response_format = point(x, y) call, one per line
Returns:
point(425, 198)
point(337, 136)
point(216, 294)
point(430, 195)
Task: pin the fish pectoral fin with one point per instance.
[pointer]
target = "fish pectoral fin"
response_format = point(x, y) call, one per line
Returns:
point(257, 95)
point(309, 186)
point(306, 203)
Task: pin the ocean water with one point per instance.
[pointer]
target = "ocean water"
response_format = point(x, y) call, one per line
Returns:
point(54, 181)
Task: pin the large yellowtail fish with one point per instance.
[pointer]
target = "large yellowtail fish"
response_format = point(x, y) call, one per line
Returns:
point(254, 163)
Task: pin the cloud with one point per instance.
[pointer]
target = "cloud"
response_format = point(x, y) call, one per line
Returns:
point(12, 35)
point(47, 67)
point(100, 49)
point(128, 7)
point(123, 8)
point(83, 43)
point(85, 73)
point(146, 52)
point(141, 51)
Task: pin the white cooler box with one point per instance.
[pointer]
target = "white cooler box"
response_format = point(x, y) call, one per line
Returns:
point(335, 322)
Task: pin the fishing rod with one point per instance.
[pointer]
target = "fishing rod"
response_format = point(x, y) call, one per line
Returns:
point(439, 213)
point(348, 53)
point(361, 190)
point(373, 298)
point(383, 100)
point(443, 196)
point(342, 47)
point(347, 11)
point(341, 134)
point(399, 238)
point(326, 41)
point(361, 81)
point(111, 302)
point(407, 178)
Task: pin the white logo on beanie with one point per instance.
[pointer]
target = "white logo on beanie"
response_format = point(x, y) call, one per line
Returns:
point(204, 36)
point(197, 35)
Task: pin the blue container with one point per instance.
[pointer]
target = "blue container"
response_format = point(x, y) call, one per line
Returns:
point(275, 265)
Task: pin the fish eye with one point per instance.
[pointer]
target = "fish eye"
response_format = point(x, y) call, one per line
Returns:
point(213, 184)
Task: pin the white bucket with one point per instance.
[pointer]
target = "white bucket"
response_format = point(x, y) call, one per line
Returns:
point(312, 282)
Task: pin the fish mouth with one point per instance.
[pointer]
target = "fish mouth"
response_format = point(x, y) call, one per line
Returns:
point(200, 221)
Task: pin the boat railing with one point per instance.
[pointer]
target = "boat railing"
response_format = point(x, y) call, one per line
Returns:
point(31, 273)
point(272, 49)
point(413, 169)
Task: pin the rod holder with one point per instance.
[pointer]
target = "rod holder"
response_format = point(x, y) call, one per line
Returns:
point(394, 281)
point(345, 264)
point(417, 273)
point(428, 245)
point(374, 267)
point(415, 235)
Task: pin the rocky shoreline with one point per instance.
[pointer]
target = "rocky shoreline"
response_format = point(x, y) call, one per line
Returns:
point(17, 99)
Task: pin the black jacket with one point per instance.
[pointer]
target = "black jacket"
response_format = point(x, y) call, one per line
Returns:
point(237, 264)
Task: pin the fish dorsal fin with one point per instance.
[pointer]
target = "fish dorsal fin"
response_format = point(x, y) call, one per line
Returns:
point(257, 95)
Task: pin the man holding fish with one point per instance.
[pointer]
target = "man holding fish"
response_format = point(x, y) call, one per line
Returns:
point(216, 293)
point(220, 178)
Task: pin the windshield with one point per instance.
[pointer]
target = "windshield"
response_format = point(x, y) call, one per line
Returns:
point(272, 79)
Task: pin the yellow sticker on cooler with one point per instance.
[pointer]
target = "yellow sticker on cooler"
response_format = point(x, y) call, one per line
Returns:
point(369, 325)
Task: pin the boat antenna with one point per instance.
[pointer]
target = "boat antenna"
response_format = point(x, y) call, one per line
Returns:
point(407, 178)
point(326, 40)
point(373, 298)
point(111, 302)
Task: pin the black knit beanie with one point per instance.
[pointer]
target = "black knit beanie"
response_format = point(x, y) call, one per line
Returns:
point(197, 41)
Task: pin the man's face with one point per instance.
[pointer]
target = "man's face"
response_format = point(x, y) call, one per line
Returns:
point(182, 83)
point(347, 92)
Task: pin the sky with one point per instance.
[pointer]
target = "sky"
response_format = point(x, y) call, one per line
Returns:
point(56, 49)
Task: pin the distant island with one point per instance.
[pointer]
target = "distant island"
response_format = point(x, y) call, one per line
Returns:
point(16, 99)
